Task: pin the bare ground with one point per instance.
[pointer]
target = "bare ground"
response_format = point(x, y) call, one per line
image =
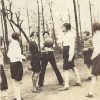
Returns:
point(51, 89)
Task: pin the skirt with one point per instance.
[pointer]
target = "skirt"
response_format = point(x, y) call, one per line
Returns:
point(96, 66)
point(35, 63)
point(3, 84)
point(66, 64)
point(16, 70)
point(87, 56)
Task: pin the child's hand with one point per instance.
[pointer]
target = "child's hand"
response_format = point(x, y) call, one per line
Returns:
point(23, 57)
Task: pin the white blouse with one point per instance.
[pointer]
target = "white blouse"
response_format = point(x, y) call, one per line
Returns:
point(96, 44)
point(14, 52)
point(69, 40)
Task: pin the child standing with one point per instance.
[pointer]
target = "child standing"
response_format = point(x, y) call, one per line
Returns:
point(16, 67)
point(35, 60)
point(95, 58)
point(68, 55)
point(48, 56)
point(88, 49)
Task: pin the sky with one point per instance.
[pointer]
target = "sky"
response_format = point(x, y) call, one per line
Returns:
point(60, 10)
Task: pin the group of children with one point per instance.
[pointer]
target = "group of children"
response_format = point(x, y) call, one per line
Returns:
point(41, 57)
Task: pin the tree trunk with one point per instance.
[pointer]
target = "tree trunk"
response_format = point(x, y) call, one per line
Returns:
point(5, 24)
point(5, 30)
point(53, 35)
point(77, 30)
point(43, 16)
point(38, 25)
point(80, 23)
point(91, 15)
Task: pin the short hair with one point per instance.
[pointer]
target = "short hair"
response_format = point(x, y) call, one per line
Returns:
point(32, 34)
point(67, 25)
point(15, 36)
point(87, 33)
point(46, 32)
point(95, 27)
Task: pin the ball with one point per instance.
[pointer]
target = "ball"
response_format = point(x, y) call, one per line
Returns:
point(48, 42)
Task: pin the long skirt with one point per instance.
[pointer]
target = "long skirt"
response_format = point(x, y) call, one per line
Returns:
point(16, 70)
point(96, 66)
point(3, 84)
point(66, 64)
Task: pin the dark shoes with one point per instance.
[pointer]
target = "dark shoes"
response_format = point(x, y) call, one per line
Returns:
point(89, 78)
point(62, 83)
point(78, 84)
point(36, 91)
point(90, 95)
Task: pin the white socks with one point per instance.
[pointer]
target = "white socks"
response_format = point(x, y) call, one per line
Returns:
point(92, 85)
point(17, 93)
point(4, 94)
point(66, 77)
point(77, 75)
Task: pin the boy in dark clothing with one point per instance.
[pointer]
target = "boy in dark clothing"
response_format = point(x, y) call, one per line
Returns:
point(48, 56)
point(35, 60)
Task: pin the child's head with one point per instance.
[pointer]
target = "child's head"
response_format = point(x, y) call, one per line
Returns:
point(16, 36)
point(95, 27)
point(33, 35)
point(66, 26)
point(46, 34)
point(87, 33)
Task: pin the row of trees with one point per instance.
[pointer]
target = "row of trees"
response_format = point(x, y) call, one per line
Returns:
point(7, 15)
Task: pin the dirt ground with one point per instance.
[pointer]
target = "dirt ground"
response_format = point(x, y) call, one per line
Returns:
point(51, 89)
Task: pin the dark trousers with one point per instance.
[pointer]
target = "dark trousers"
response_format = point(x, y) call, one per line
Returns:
point(49, 57)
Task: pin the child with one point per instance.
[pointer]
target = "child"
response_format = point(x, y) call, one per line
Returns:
point(48, 56)
point(95, 58)
point(88, 49)
point(3, 79)
point(16, 67)
point(35, 60)
point(68, 55)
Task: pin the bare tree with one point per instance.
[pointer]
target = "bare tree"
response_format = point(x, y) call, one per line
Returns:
point(79, 15)
point(53, 35)
point(77, 30)
point(5, 24)
point(28, 18)
point(43, 22)
point(90, 7)
point(69, 16)
point(18, 23)
point(38, 24)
